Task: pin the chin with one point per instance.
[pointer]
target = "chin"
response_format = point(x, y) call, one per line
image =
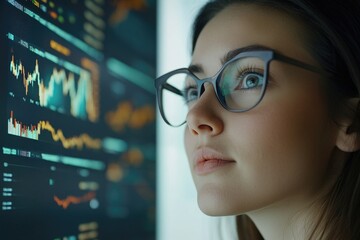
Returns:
point(215, 205)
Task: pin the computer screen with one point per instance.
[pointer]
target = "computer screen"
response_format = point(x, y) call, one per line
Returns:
point(77, 119)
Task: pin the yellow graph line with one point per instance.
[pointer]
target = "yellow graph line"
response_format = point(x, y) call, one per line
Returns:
point(78, 141)
point(81, 141)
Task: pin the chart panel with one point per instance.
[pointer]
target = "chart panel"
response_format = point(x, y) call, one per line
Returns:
point(77, 119)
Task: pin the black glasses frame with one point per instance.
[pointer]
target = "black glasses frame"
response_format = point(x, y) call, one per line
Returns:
point(266, 55)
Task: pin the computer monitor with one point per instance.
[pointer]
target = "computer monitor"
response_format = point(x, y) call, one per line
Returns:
point(77, 110)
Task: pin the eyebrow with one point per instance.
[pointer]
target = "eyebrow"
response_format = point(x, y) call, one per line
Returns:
point(198, 68)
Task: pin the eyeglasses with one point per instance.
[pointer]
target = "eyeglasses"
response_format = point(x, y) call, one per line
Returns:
point(239, 85)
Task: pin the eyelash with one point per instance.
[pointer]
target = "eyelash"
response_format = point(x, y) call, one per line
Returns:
point(249, 69)
point(254, 69)
point(242, 72)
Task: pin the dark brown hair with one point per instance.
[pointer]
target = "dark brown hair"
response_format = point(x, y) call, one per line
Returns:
point(334, 30)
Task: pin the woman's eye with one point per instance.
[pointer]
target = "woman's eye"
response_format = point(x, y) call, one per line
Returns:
point(250, 81)
point(190, 94)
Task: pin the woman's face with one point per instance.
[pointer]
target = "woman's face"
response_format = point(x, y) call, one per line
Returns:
point(277, 153)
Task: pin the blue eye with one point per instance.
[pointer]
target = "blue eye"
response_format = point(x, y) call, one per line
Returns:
point(251, 80)
point(242, 77)
point(190, 94)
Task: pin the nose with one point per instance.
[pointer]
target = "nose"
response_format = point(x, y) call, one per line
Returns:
point(205, 116)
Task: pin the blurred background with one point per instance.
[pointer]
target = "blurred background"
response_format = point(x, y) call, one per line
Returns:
point(84, 153)
point(179, 216)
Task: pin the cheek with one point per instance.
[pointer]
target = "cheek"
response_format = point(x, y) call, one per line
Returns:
point(283, 146)
point(189, 143)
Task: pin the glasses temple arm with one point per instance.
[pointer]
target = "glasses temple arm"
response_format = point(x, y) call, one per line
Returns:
point(300, 64)
point(172, 89)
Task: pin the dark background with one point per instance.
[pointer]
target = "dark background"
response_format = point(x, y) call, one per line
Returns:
point(87, 173)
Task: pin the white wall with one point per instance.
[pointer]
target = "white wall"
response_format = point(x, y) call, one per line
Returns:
point(178, 215)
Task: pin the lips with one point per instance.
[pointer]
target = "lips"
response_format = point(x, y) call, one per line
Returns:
point(207, 160)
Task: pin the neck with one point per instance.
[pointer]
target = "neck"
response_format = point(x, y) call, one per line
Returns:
point(286, 220)
point(296, 217)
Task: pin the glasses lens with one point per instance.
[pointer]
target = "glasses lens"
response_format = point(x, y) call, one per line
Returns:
point(242, 83)
point(177, 93)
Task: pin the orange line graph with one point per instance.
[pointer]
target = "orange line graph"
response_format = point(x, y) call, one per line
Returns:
point(15, 127)
point(65, 203)
point(125, 115)
point(123, 7)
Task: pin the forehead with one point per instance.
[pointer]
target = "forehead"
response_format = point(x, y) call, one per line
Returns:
point(242, 25)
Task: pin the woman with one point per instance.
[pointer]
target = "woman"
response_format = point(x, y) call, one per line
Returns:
point(272, 113)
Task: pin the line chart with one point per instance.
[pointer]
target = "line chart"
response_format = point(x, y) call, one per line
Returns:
point(17, 128)
point(62, 90)
point(65, 203)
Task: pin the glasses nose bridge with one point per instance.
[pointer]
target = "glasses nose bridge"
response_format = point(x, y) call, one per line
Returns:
point(201, 85)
